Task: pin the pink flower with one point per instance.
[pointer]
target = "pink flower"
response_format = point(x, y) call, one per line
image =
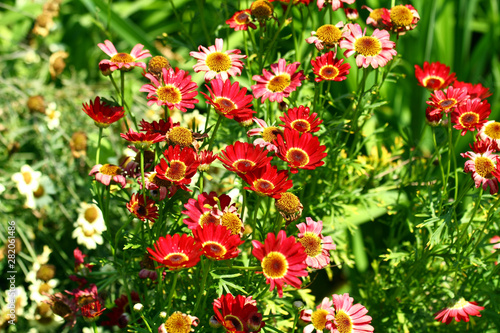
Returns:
point(319, 319)
point(348, 317)
point(316, 246)
point(460, 310)
point(482, 166)
point(268, 133)
point(107, 172)
point(336, 4)
point(122, 61)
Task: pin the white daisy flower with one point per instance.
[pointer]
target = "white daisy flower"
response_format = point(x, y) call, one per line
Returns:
point(27, 181)
point(52, 116)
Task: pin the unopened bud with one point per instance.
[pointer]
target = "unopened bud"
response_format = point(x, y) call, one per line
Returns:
point(138, 307)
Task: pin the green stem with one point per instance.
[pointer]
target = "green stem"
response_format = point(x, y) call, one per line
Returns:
point(244, 192)
point(120, 96)
point(146, 322)
point(172, 292)
point(210, 143)
point(94, 325)
point(167, 112)
point(122, 92)
point(98, 146)
point(206, 270)
point(281, 26)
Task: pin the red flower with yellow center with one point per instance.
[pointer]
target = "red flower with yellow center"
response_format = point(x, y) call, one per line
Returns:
point(142, 210)
point(241, 20)
point(301, 120)
point(228, 99)
point(282, 260)
point(470, 116)
point(460, 310)
point(237, 314)
point(243, 157)
point(176, 252)
point(434, 76)
point(375, 17)
point(122, 61)
point(102, 113)
point(300, 151)
point(217, 241)
point(447, 100)
point(268, 181)
point(199, 211)
point(142, 140)
point(178, 166)
point(327, 67)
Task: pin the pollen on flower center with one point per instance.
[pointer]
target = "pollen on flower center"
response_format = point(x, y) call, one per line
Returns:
point(311, 243)
point(493, 130)
point(91, 214)
point(176, 171)
point(27, 177)
point(169, 94)
point(368, 46)
point(301, 125)
point(263, 186)
point(214, 249)
point(178, 323)
point(261, 9)
point(432, 82)
point(401, 16)
point(297, 157)
point(468, 119)
point(329, 72)
point(270, 133)
point(242, 18)
point(288, 203)
point(274, 265)
point(484, 166)
point(447, 103)
point(122, 58)
point(232, 222)
point(225, 105)
point(207, 218)
point(176, 258)
point(181, 136)
point(110, 170)
point(329, 34)
point(376, 14)
point(243, 165)
point(343, 321)
point(218, 62)
point(279, 83)
point(318, 319)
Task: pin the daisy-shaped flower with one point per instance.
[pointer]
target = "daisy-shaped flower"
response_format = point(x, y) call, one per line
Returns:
point(102, 113)
point(282, 260)
point(460, 310)
point(375, 50)
point(216, 63)
point(268, 133)
point(300, 151)
point(448, 99)
point(52, 116)
point(205, 158)
point(316, 246)
point(320, 318)
point(64, 307)
point(482, 166)
point(434, 76)
point(268, 181)
point(278, 84)
point(375, 17)
point(470, 116)
point(199, 211)
point(175, 89)
point(178, 322)
point(237, 314)
point(261, 10)
point(350, 318)
point(160, 188)
point(241, 20)
point(142, 210)
point(123, 61)
point(228, 99)
point(490, 130)
point(336, 4)
point(401, 18)
point(327, 67)
point(176, 252)
point(159, 127)
point(243, 157)
point(142, 140)
point(90, 218)
point(217, 241)
point(27, 180)
point(301, 120)
point(178, 166)
point(474, 90)
point(105, 173)
point(184, 137)
point(326, 36)
point(289, 206)
point(92, 311)
point(481, 146)
point(87, 236)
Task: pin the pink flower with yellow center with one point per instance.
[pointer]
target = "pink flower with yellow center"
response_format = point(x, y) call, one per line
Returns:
point(401, 18)
point(482, 166)
point(490, 130)
point(122, 61)
point(375, 17)
point(216, 63)
point(241, 20)
point(434, 76)
point(316, 246)
point(350, 318)
point(105, 173)
point(319, 319)
point(326, 36)
point(228, 99)
point(176, 90)
point(328, 68)
point(375, 50)
point(217, 241)
point(268, 181)
point(301, 120)
point(279, 83)
point(268, 133)
point(176, 252)
point(448, 99)
point(282, 260)
point(470, 116)
point(336, 4)
point(460, 310)
point(178, 166)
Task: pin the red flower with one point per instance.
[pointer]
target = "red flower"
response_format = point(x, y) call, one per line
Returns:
point(205, 158)
point(176, 252)
point(217, 241)
point(482, 146)
point(238, 314)
point(142, 140)
point(143, 210)
point(434, 76)
point(300, 151)
point(179, 166)
point(282, 260)
point(92, 311)
point(243, 157)
point(102, 113)
point(157, 127)
point(228, 100)
point(118, 315)
point(301, 120)
point(471, 116)
point(460, 310)
point(448, 99)
point(268, 181)
point(241, 21)
point(473, 90)
point(327, 67)
point(433, 116)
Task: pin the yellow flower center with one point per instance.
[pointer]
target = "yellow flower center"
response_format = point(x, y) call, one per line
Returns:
point(329, 72)
point(169, 94)
point(401, 16)
point(214, 249)
point(157, 63)
point(329, 34)
point(44, 288)
point(110, 170)
point(376, 14)
point(40, 191)
point(207, 218)
point(468, 119)
point(218, 62)
point(27, 177)
point(122, 58)
point(344, 323)
point(311, 243)
point(279, 83)
point(225, 105)
point(318, 319)
point(484, 167)
point(460, 304)
point(176, 171)
point(91, 214)
point(297, 157)
point(301, 125)
point(433, 82)
point(274, 265)
point(263, 186)
point(288, 203)
point(493, 130)
point(176, 258)
point(261, 9)
point(178, 323)
point(368, 46)
point(232, 222)
point(180, 136)
point(269, 134)
point(242, 18)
